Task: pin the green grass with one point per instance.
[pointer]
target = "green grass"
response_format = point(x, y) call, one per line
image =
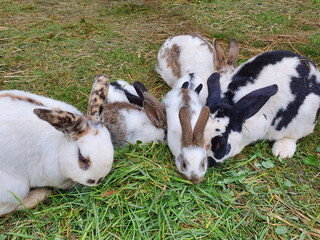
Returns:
point(56, 48)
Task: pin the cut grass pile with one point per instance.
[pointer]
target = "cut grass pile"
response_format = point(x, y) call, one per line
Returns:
point(56, 48)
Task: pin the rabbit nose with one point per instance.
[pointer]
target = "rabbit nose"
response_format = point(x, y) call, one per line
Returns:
point(196, 180)
point(91, 181)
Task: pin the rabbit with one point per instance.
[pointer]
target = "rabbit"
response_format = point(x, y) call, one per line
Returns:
point(273, 96)
point(122, 91)
point(45, 142)
point(183, 54)
point(128, 122)
point(186, 120)
point(191, 58)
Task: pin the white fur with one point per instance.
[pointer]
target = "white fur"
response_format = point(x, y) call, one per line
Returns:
point(194, 57)
point(139, 127)
point(194, 156)
point(259, 126)
point(35, 154)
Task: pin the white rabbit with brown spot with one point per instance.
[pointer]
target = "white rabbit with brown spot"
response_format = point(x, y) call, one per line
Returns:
point(187, 119)
point(192, 58)
point(45, 142)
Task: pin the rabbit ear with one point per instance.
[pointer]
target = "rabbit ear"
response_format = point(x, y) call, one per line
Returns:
point(134, 99)
point(199, 88)
point(185, 121)
point(233, 53)
point(72, 125)
point(251, 103)
point(140, 88)
point(219, 60)
point(214, 91)
point(154, 111)
point(98, 96)
point(198, 133)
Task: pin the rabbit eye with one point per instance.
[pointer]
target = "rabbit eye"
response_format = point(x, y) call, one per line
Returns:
point(203, 166)
point(83, 162)
point(184, 164)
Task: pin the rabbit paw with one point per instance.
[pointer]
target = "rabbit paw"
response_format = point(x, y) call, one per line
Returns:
point(284, 148)
point(32, 199)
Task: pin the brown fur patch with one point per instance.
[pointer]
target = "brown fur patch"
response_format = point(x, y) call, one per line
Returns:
point(24, 99)
point(98, 96)
point(205, 42)
point(172, 58)
point(73, 125)
point(185, 97)
point(114, 121)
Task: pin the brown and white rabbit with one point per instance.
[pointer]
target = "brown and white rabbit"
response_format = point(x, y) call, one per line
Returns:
point(192, 58)
point(128, 122)
point(187, 119)
point(45, 142)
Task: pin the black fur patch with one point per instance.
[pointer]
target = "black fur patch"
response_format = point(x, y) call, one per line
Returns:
point(301, 87)
point(131, 98)
point(212, 162)
point(220, 146)
point(250, 71)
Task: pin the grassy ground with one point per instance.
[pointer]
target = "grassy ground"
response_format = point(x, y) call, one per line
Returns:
point(56, 48)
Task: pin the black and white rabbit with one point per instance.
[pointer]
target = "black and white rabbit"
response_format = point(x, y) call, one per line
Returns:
point(122, 91)
point(45, 142)
point(273, 96)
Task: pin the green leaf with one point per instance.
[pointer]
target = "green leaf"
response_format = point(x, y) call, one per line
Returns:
point(267, 164)
point(2, 237)
point(310, 160)
point(318, 149)
point(258, 165)
point(287, 183)
point(281, 230)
